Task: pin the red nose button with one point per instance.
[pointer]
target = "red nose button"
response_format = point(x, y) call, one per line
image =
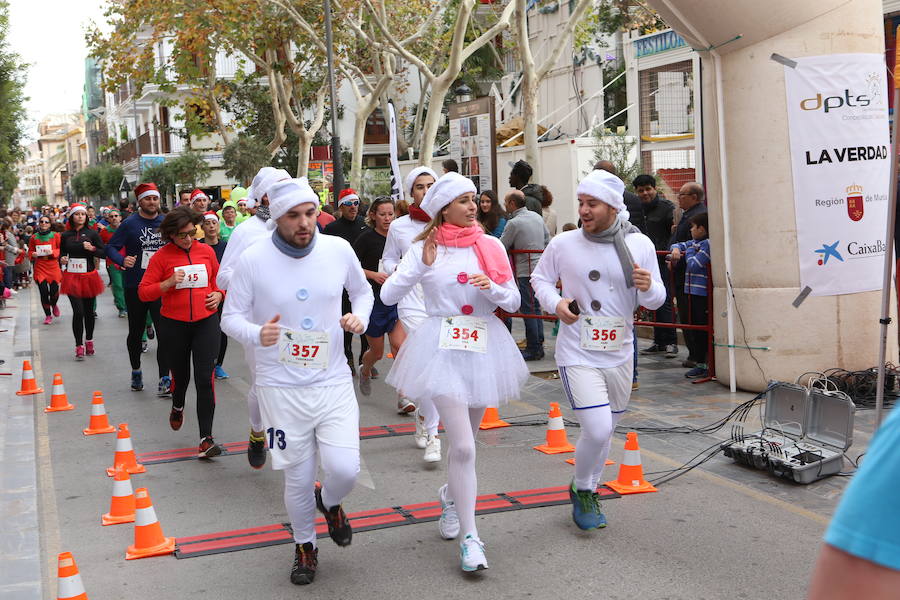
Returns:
point(467, 309)
point(463, 278)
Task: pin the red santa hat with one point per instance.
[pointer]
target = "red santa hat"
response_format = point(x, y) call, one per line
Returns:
point(145, 189)
point(347, 196)
point(76, 208)
point(211, 216)
point(198, 194)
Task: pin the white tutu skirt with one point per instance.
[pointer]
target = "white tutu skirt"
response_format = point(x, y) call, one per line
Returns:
point(423, 371)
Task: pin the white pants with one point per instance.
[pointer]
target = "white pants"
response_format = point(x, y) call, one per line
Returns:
point(340, 467)
point(299, 420)
point(599, 397)
point(410, 321)
point(252, 398)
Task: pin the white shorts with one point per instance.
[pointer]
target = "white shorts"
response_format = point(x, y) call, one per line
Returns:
point(296, 420)
point(593, 387)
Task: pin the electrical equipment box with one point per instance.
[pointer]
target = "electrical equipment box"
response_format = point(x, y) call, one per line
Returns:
point(805, 435)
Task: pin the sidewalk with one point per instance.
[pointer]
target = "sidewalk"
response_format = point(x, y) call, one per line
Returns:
point(20, 558)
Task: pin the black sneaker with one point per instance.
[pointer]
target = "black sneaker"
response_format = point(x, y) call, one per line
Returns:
point(306, 560)
point(256, 451)
point(137, 381)
point(150, 333)
point(338, 524)
point(208, 448)
point(654, 349)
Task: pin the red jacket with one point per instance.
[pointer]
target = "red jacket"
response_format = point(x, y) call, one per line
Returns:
point(186, 304)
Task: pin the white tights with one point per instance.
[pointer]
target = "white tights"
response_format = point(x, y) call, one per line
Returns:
point(592, 448)
point(460, 426)
point(429, 413)
point(340, 467)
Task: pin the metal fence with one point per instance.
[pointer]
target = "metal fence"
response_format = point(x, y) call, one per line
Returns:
point(641, 314)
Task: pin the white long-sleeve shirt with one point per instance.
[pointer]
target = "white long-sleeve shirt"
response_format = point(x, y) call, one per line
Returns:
point(244, 235)
point(570, 258)
point(400, 237)
point(444, 294)
point(306, 292)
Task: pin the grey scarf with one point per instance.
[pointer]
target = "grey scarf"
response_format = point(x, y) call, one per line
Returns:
point(616, 235)
point(290, 250)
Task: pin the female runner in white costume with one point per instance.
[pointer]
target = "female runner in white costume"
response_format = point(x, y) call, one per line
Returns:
point(462, 357)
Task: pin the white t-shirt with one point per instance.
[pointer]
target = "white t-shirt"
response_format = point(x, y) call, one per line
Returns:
point(571, 258)
point(306, 292)
point(400, 237)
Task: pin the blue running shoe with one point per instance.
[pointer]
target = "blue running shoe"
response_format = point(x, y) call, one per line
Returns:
point(586, 509)
point(165, 386)
point(220, 372)
point(137, 381)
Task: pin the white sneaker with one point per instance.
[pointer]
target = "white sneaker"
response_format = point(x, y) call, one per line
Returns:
point(449, 521)
point(471, 554)
point(421, 435)
point(433, 449)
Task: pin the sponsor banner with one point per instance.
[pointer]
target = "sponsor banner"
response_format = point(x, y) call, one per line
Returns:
point(840, 153)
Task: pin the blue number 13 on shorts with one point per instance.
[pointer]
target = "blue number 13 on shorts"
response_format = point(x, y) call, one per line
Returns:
point(279, 434)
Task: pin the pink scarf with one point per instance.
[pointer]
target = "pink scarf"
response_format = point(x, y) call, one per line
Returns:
point(491, 258)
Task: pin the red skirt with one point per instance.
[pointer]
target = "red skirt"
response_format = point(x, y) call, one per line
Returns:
point(81, 285)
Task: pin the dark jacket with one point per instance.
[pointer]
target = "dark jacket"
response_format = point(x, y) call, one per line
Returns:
point(349, 230)
point(635, 210)
point(658, 219)
point(534, 196)
point(71, 244)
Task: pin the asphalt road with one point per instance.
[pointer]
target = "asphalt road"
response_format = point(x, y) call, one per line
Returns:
point(720, 531)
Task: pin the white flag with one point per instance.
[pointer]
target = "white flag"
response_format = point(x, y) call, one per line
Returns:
point(396, 188)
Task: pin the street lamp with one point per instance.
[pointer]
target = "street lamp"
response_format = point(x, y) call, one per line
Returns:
point(463, 93)
point(338, 176)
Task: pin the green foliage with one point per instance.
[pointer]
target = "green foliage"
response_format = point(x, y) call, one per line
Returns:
point(39, 202)
point(110, 179)
point(189, 168)
point(162, 176)
point(244, 157)
point(92, 181)
point(619, 149)
point(77, 184)
point(12, 110)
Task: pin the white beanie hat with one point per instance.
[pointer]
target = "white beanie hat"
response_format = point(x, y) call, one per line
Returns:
point(285, 195)
point(262, 182)
point(414, 174)
point(444, 191)
point(604, 186)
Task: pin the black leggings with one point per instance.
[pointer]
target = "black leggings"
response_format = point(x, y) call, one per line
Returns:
point(137, 322)
point(197, 341)
point(223, 340)
point(49, 295)
point(82, 318)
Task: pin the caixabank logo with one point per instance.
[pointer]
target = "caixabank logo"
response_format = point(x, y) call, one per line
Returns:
point(828, 251)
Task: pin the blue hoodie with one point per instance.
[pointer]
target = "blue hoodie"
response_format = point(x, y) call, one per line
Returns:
point(140, 238)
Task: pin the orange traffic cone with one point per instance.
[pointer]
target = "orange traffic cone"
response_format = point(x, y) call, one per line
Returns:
point(631, 473)
point(492, 420)
point(58, 399)
point(98, 423)
point(29, 384)
point(557, 442)
point(121, 508)
point(68, 580)
point(125, 453)
point(608, 462)
point(148, 535)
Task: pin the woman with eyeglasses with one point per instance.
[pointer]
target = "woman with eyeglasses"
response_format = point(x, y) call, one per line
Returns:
point(79, 245)
point(43, 250)
point(183, 274)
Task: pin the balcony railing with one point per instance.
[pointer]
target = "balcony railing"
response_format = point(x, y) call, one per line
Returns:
point(129, 151)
